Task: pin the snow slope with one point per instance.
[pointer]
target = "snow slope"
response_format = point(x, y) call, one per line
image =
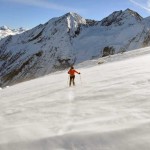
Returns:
point(108, 109)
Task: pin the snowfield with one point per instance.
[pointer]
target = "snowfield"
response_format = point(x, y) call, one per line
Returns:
point(108, 109)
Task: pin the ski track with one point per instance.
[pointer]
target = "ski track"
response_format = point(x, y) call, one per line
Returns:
point(108, 109)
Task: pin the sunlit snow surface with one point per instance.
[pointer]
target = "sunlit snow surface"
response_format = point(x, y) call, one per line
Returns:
point(108, 109)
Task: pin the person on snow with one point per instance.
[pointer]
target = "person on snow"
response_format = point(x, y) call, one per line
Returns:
point(72, 72)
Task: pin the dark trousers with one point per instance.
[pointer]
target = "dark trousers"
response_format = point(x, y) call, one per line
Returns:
point(72, 77)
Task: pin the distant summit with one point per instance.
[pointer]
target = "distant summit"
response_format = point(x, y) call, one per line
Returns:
point(4, 28)
point(6, 31)
point(121, 17)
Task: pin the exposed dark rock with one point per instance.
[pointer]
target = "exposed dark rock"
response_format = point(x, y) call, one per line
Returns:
point(108, 51)
point(113, 18)
point(146, 39)
point(9, 76)
point(37, 36)
point(39, 54)
point(90, 22)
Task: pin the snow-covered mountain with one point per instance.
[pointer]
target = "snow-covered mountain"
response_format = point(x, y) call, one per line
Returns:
point(108, 109)
point(6, 31)
point(67, 40)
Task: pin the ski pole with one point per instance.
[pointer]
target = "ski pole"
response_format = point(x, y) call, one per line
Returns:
point(80, 79)
point(68, 81)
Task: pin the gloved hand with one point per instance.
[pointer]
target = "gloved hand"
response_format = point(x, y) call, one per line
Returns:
point(79, 73)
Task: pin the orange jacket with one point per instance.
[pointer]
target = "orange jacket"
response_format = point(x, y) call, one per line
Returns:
point(72, 72)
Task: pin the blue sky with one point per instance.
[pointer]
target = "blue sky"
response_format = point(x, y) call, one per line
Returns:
point(30, 13)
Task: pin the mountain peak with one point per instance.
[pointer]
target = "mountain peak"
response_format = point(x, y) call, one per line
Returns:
point(74, 17)
point(72, 13)
point(121, 17)
point(129, 10)
point(4, 28)
point(133, 14)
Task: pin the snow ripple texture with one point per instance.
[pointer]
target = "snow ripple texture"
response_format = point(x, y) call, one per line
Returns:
point(108, 109)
